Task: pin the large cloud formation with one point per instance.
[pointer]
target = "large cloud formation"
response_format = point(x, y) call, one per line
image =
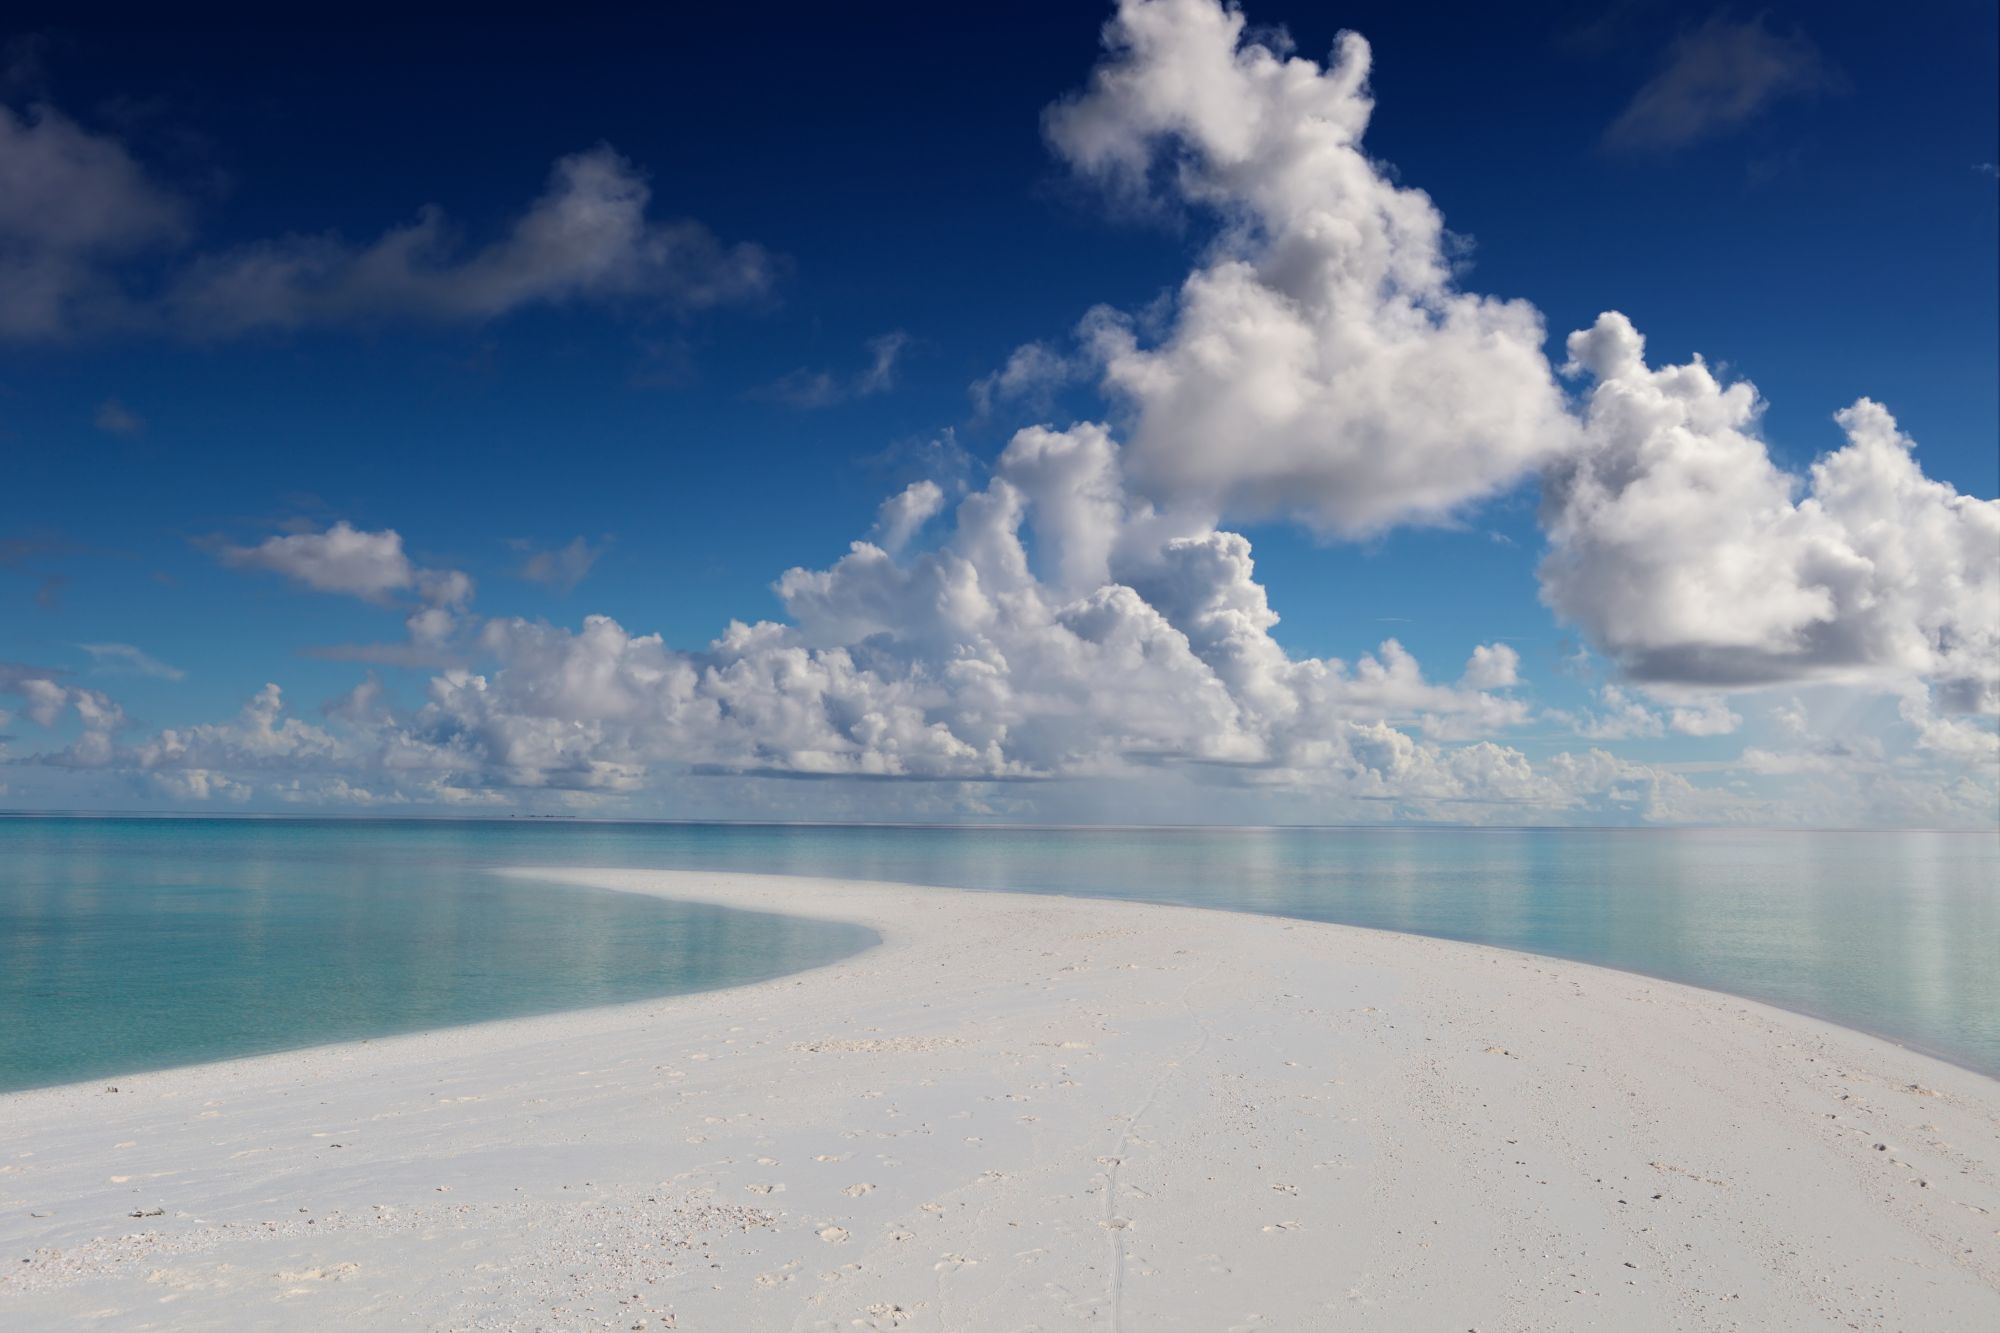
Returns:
point(1321, 363)
point(1692, 558)
point(1055, 628)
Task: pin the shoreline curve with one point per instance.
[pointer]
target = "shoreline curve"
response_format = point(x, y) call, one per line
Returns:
point(1035, 1111)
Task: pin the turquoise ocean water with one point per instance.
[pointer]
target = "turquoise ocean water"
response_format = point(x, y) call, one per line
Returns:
point(129, 944)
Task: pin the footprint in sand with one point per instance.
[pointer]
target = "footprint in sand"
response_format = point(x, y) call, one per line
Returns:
point(833, 1235)
point(855, 1191)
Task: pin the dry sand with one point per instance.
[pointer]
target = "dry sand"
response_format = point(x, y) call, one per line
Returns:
point(1035, 1113)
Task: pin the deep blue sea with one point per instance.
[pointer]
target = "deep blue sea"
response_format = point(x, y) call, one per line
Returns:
point(128, 943)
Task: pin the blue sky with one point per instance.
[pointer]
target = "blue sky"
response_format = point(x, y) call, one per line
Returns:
point(853, 222)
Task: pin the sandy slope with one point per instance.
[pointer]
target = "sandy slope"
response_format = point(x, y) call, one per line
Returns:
point(1036, 1113)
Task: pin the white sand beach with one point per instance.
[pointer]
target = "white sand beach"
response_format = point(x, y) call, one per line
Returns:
point(1025, 1113)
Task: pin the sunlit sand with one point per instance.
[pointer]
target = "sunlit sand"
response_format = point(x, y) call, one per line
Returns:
point(1036, 1113)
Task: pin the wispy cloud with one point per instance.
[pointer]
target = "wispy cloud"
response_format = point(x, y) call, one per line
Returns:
point(805, 388)
point(34, 557)
point(1715, 79)
point(114, 418)
point(415, 654)
point(122, 659)
point(561, 567)
point(1033, 373)
point(72, 204)
point(587, 238)
point(77, 209)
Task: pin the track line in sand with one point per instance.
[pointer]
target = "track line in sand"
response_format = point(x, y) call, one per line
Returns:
point(1115, 1159)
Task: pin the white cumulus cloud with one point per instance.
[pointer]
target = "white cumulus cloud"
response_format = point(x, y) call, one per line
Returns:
point(47, 699)
point(373, 567)
point(1691, 558)
point(904, 514)
point(1321, 362)
point(1058, 628)
point(342, 559)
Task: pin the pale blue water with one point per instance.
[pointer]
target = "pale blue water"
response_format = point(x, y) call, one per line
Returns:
point(134, 943)
point(138, 944)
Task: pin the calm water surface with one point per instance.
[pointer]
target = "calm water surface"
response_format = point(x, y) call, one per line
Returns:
point(130, 943)
point(138, 944)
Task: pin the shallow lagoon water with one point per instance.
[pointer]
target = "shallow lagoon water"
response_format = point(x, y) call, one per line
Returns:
point(216, 937)
point(130, 944)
